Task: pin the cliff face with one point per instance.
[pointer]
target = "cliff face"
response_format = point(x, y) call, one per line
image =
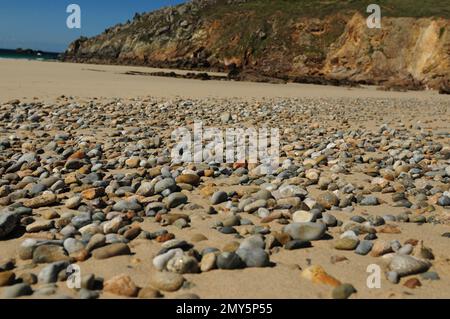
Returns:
point(286, 39)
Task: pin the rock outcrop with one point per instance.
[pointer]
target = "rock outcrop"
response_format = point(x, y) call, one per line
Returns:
point(304, 41)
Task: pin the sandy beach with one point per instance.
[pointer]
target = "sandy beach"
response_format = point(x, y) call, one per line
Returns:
point(93, 135)
point(48, 80)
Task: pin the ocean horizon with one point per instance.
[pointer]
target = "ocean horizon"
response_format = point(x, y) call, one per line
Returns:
point(22, 54)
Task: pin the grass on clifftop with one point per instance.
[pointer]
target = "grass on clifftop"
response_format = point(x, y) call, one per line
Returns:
point(321, 8)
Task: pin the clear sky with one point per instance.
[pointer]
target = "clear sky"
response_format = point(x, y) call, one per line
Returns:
point(41, 24)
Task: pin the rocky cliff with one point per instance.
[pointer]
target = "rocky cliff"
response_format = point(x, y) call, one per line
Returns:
point(297, 40)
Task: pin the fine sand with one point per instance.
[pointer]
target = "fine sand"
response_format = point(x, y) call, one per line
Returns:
point(48, 80)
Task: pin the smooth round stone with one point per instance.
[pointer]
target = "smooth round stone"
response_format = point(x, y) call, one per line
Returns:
point(161, 261)
point(302, 216)
point(343, 291)
point(39, 226)
point(227, 230)
point(393, 277)
point(208, 262)
point(364, 247)
point(81, 220)
point(219, 197)
point(329, 220)
point(419, 219)
point(395, 245)
point(444, 201)
point(328, 200)
point(369, 201)
point(405, 265)
point(297, 244)
point(306, 231)
point(166, 281)
point(262, 194)
point(191, 179)
point(127, 205)
point(146, 189)
point(406, 249)
point(431, 275)
point(254, 257)
point(229, 260)
point(72, 245)
point(176, 199)
point(349, 234)
point(174, 243)
point(8, 222)
point(183, 265)
point(346, 243)
point(263, 212)
point(166, 183)
point(96, 241)
point(112, 250)
point(375, 220)
point(49, 274)
point(73, 202)
point(17, 290)
point(253, 242)
point(49, 253)
point(358, 219)
point(112, 226)
point(254, 206)
point(69, 231)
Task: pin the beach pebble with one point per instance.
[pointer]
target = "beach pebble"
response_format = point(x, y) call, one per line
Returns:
point(302, 216)
point(229, 260)
point(405, 265)
point(113, 250)
point(8, 222)
point(49, 253)
point(219, 197)
point(18, 290)
point(253, 257)
point(121, 285)
point(166, 281)
point(305, 231)
point(183, 264)
point(49, 274)
point(346, 243)
point(208, 262)
point(343, 291)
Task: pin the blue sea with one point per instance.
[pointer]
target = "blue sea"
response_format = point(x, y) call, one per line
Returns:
point(28, 55)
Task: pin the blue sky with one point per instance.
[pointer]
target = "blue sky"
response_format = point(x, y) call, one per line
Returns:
point(41, 24)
